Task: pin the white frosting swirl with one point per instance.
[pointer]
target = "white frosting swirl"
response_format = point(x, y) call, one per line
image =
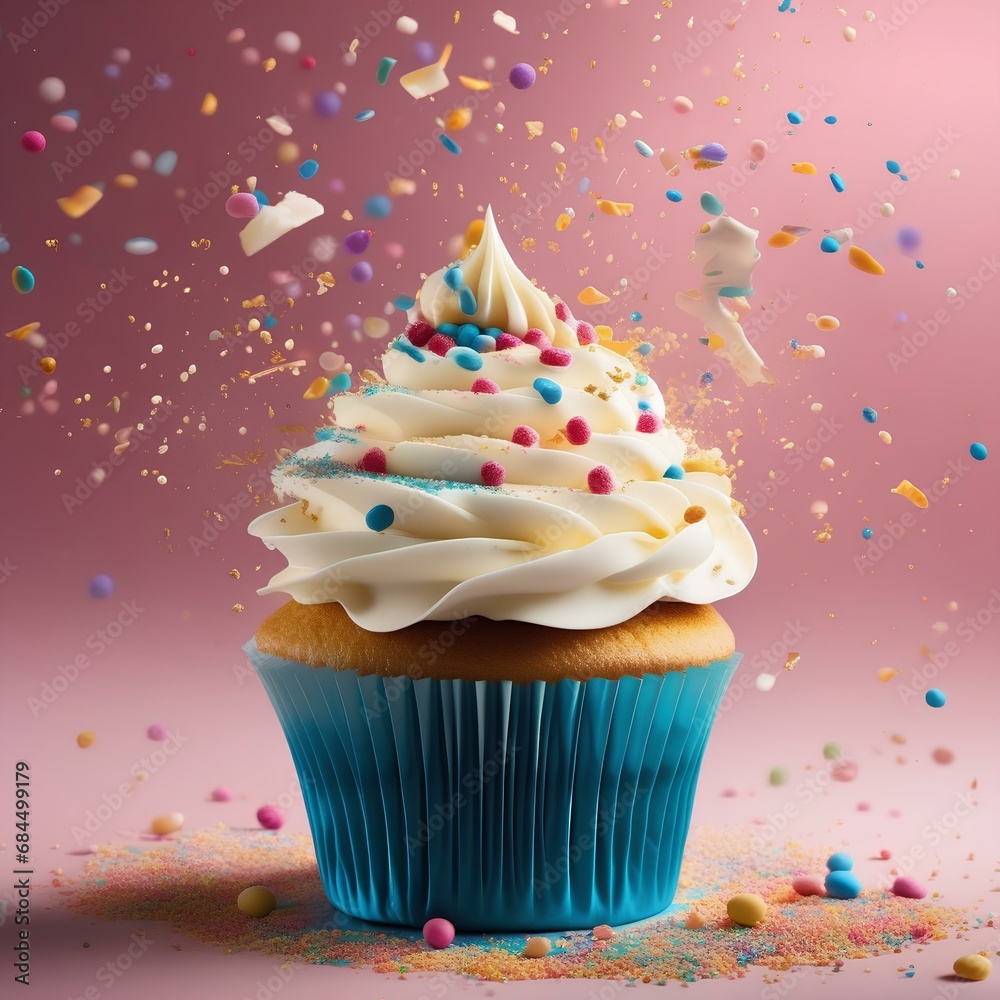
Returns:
point(541, 547)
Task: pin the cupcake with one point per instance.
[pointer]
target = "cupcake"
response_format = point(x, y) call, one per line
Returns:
point(500, 664)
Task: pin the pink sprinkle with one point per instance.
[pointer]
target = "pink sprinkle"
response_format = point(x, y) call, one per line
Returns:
point(603, 932)
point(485, 385)
point(601, 479)
point(586, 334)
point(908, 888)
point(840, 963)
point(526, 436)
point(563, 313)
point(537, 338)
point(648, 422)
point(507, 340)
point(221, 794)
point(419, 333)
point(492, 474)
point(270, 818)
point(885, 854)
point(308, 62)
point(577, 430)
point(440, 345)
point(557, 357)
point(844, 770)
point(157, 731)
point(438, 932)
point(808, 885)
point(373, 460)
point(864, 807)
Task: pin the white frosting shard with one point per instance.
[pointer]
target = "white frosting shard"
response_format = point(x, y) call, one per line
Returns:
point(728, 253)
point(273, 221)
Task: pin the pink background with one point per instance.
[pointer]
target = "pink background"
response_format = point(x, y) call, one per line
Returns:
point(922, 73)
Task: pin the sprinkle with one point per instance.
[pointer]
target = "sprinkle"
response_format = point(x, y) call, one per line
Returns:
point(361, 273)
point(221, 794)
point(867, 533)
point(484, 344)
point(32, 142)
point(778, 776)
point(935, 698)
point(256, 901)
point(842, 885)
point(758, 150)
point(81, 201)
point(450, 144)
point(603, 932)
point(643, 149)
point(617, 208)
point(908, 490)
point(406, 346)
point(746, 909)
point(645, 347)
point(166, 823)
point(674, 195)
point(978, 451)
point(537, 338)
point(648, 423)
point(601, 480)
point(373, 460)
point(507, 340)
point(318, 388)
point(527, 437)
point(492, 474)
point(590, 296)
point(164, 163)
point(804, 168)
point(550, 391)
point(794, 117)
point(869, 414)
point(711, 204)
point(682, 105)
point(578, 430)
point(467, 301)
point(340, 382)
point(585, 334)
point(537, 947)
point(404, 302)
point(22, 279)
point(378, 206)
point(674, 471)
point(454, 278)
point(521, 76)
point(486, 386)
point(364, 116)
point(840, 862)
point(140, 246)
point(694, 514)
point(438, 932)
point(864, 261)
point(781, 239)
point(465, 357)
point(556, 357)
point(892, 166)
point(85, 739)
point(830, 119)
point(827, 323)
point(837, 181)
point(832, 751)
point(440, 345)
point(384, 69)
point(974, 967)
point(829, 245)
point(308, 168)
point(269, 816)
point(242, 205)
point(886, 674)
point(714, 152)
point(908, 888)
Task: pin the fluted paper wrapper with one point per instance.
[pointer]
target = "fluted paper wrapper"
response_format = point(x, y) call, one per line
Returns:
point(501, 806)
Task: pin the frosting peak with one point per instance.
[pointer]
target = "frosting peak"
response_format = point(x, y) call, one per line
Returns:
point(502, 296)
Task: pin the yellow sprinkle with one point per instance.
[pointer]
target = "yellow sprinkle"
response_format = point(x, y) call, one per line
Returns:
point(574, 133)
point(827, 323)
point(209, 104)
point(472, 83)
point(886, 674)
point(781, 239)
point(562, 223)
point(615, 207)
point(694, 514)
point(85, 739)
point(269, 63)
point(474, 233)
point(402, 185)
point(722, 101)
point(126, 180)
point(715, 342)
point(908, 490)
point(537, 947)
point(803, 168)
point(590, 296)
point(317, 388)
point(604, 332)
point(47, 365)
point(81, 201)
point(457, 118)
point(864, 261)
point(534, 129)
point(23, 331)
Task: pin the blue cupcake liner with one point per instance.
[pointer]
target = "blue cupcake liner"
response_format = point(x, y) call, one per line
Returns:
point(500, 806)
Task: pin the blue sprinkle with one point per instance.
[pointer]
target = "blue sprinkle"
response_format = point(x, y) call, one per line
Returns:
point(378, 206)
point(843, 885)
point(734, 291)
point(920, 265)
point(708, 378)
point(935, 698)
point(380, 517)
point(892, 166)
point(448, 330)
point(829, 244)
point(674, 472)
point(910, 972)
point(837, 181)
point(340, 383)
point(364, 116)
point(794, 344)
point(466, 334)
point(404, 302)
point(164, 163)
point(641, 379)
point(674, 195)
point(453, 278)
point(867, 532)
point(465, 357)
point(550, 391)
point(308, 169)
point(643, 404)
point(840, 862)
point(784, 5)
point(869, 414)
point(467, 301)
point(584, 186)
point(903, 177)
point(492, 331)
point(484, 344)
point(450, 144)
point(711, 204)
point(794, 117)
point(402, 343)
point(269, 321)
point(261, 197)
point(703, 341)
point(830, 119)
point(644, 349)
point(643, 148)
point(978, 451)
point(635, 316)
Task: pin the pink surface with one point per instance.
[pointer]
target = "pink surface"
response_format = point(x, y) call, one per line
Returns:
point(165, 647)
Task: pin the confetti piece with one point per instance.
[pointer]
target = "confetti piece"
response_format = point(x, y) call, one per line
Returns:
point(274, 221)
point(590, 296)
point(81, 201)
point(908, 490)
point(864, 261)
point(427, 80)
